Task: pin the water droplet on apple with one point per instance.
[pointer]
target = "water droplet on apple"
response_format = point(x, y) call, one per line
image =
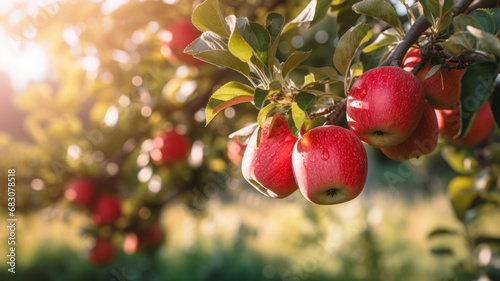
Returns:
point(325, 155)
point(363, 91)
point(313, 158)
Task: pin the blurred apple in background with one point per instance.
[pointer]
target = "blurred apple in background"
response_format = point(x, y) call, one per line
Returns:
point(107, 210)
point(102, 253)
point(175, 38)
point(235, 151)
point(169, 147)
point(81, 192)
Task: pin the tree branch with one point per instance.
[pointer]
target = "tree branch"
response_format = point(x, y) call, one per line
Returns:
point(411, 37)
point(335, 111)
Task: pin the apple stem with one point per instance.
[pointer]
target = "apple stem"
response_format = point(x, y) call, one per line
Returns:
point(335, 111)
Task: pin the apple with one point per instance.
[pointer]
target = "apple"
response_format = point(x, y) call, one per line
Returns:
point(449, 125)
point(103, 252)
point(235, 151)
point(81, 192)
point(169, 147)
point(107, 210)
point(175, 38)
point(441, 90)
point(146, 239)
point(330, 165)
point(384, 106)
point(268, 167)
point(422, 141)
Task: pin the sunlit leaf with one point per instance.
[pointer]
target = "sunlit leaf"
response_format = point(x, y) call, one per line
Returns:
point(294, 60)
point(229, 94)
point(312, 13)
point(379, 9)
point(349, 43)
point(263, 113)
point(215, 22)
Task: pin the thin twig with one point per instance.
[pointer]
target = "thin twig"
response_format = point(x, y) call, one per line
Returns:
point(335, 111)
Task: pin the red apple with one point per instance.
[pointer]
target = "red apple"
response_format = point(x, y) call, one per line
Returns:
point(235, 151)
point(175, 38)
point(145, 239)
point(422, 141)
point(441, 90)
point(103, 252)
point(330, 165)
point(169, 147)
point(81, 192)
point(449, 125)
point(107, 209)
point(384, 106)
point(268, 167)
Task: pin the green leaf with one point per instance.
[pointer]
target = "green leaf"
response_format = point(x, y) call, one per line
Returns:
point(229, 94)
point(312, 13)
point(438, 232)
point(433, 71)
point(495, 13)
point(381, 10)
point(349, 43)
point(433, 6)
point(237, 44)
point(429, 16)
point(291, 124)
point(495, 105)
point(261, 118)
point(275, 85)
point(460, 43)
point(462, 194)
point(294, 60)
point(382, 41)
point(487, 22)
point(274, 25)
point(215, 22)
point(256, 36)
point(322, 72)
point(476, 85)
point(461, 22)
point(445, 6)
point(301, 104)
point(260, 97)
point(485, 41)
point(347, 18)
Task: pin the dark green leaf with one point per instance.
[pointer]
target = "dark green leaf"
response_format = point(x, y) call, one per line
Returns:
point(433, 6)
point(495, 105)
point(429, 16)
point(349, 44)
point(434, 70)
point(260, 97)
point(380, 9)
point(441, 251)
point(274, 25)
point(495, 13)
point(291, 124)
point(442, 231)
point(461, 22)
point(485, 41)
point(215, 22)
point(294, 60)
point(312, 13)
point(476, 85)
point(485, 19)
point(229, 94)
point(261, 118)
point(256, 36)
point(446, 6)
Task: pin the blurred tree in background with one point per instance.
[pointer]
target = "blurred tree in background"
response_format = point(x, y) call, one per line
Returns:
point(90, 90)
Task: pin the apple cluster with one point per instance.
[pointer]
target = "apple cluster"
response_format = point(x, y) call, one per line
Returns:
point(169, 148)
point(387, 107)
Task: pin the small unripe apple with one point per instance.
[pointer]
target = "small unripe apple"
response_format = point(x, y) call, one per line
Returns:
point(169, 147)
point(107, 210)
point(441, 90)
point(384, 106)
point(449, 125)
point(330, 165)
point(175, 38)
point(103, 252)
point(422, 141)
point(81, 192)
point(235, 151)
point(268, 167)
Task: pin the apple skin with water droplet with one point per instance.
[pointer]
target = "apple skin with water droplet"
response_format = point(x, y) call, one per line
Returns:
point(330, 165)
point(268, 167)
point(385, 105)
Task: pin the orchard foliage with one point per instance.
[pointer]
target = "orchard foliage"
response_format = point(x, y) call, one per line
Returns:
point(137, 119)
